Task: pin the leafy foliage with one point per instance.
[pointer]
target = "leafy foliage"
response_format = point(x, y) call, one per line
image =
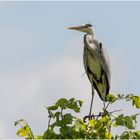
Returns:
point(64, 125)
point(25, 129)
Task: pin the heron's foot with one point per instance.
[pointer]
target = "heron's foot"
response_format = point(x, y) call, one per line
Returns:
point(89, 117)
point(101, 114)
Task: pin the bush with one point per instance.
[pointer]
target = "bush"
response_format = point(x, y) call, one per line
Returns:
point(64, 125)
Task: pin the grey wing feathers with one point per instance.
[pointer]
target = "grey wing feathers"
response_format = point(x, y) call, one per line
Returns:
point(97, 67)
point(105, 62)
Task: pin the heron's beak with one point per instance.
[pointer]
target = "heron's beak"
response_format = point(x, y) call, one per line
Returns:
point(78, 28)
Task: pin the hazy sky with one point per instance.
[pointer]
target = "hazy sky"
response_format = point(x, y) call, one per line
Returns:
point(41, 61)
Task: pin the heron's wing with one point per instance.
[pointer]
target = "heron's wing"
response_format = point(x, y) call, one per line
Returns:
point(97, 67)
point(105, 62)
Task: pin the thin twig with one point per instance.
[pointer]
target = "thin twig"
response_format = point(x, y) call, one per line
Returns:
point(115, 111)
point(110, 126)
point(49, 121)
point(107, 105)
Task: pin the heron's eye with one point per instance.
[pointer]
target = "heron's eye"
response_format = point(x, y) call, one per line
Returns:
point(89, 25)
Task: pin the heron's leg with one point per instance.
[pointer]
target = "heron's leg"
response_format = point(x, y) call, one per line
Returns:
point(104, 104)
point(91, 100)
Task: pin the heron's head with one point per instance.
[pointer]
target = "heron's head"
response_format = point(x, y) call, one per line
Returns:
point(86, 28)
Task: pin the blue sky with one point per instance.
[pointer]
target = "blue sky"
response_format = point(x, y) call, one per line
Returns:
point(41, 61)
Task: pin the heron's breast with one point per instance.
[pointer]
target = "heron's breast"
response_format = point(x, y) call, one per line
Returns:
point(94, 66)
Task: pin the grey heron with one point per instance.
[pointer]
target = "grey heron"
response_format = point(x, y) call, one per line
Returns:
point(96, 63)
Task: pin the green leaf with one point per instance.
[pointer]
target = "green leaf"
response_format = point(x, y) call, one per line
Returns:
point(68, 118)
point(62, 103)
point(71, 100)
point(58, 123)
point(57, 115)
point(52, 107)
point(101, 129)
point(105, 119)
point(108, 135)
point(39, 137)
point(80, 125)
point(136, 101)
point(80, 103)
point(98, 124)
point(64, 130)
point(125, 135)
point(111, 98)
point(92, 122)
point(134, 117)
point(71, 103)
point(120, 120)
point(137, 134)
point(49, 134)
point(129, 122)
point(120, 96)
point(114, 124)
point(24, 131)
point(77, 109)
point(128, 97)
point(116, 136)
point(74, 104)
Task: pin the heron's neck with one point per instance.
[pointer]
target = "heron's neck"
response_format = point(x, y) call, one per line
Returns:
point(90, 32)
point(91, 35)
